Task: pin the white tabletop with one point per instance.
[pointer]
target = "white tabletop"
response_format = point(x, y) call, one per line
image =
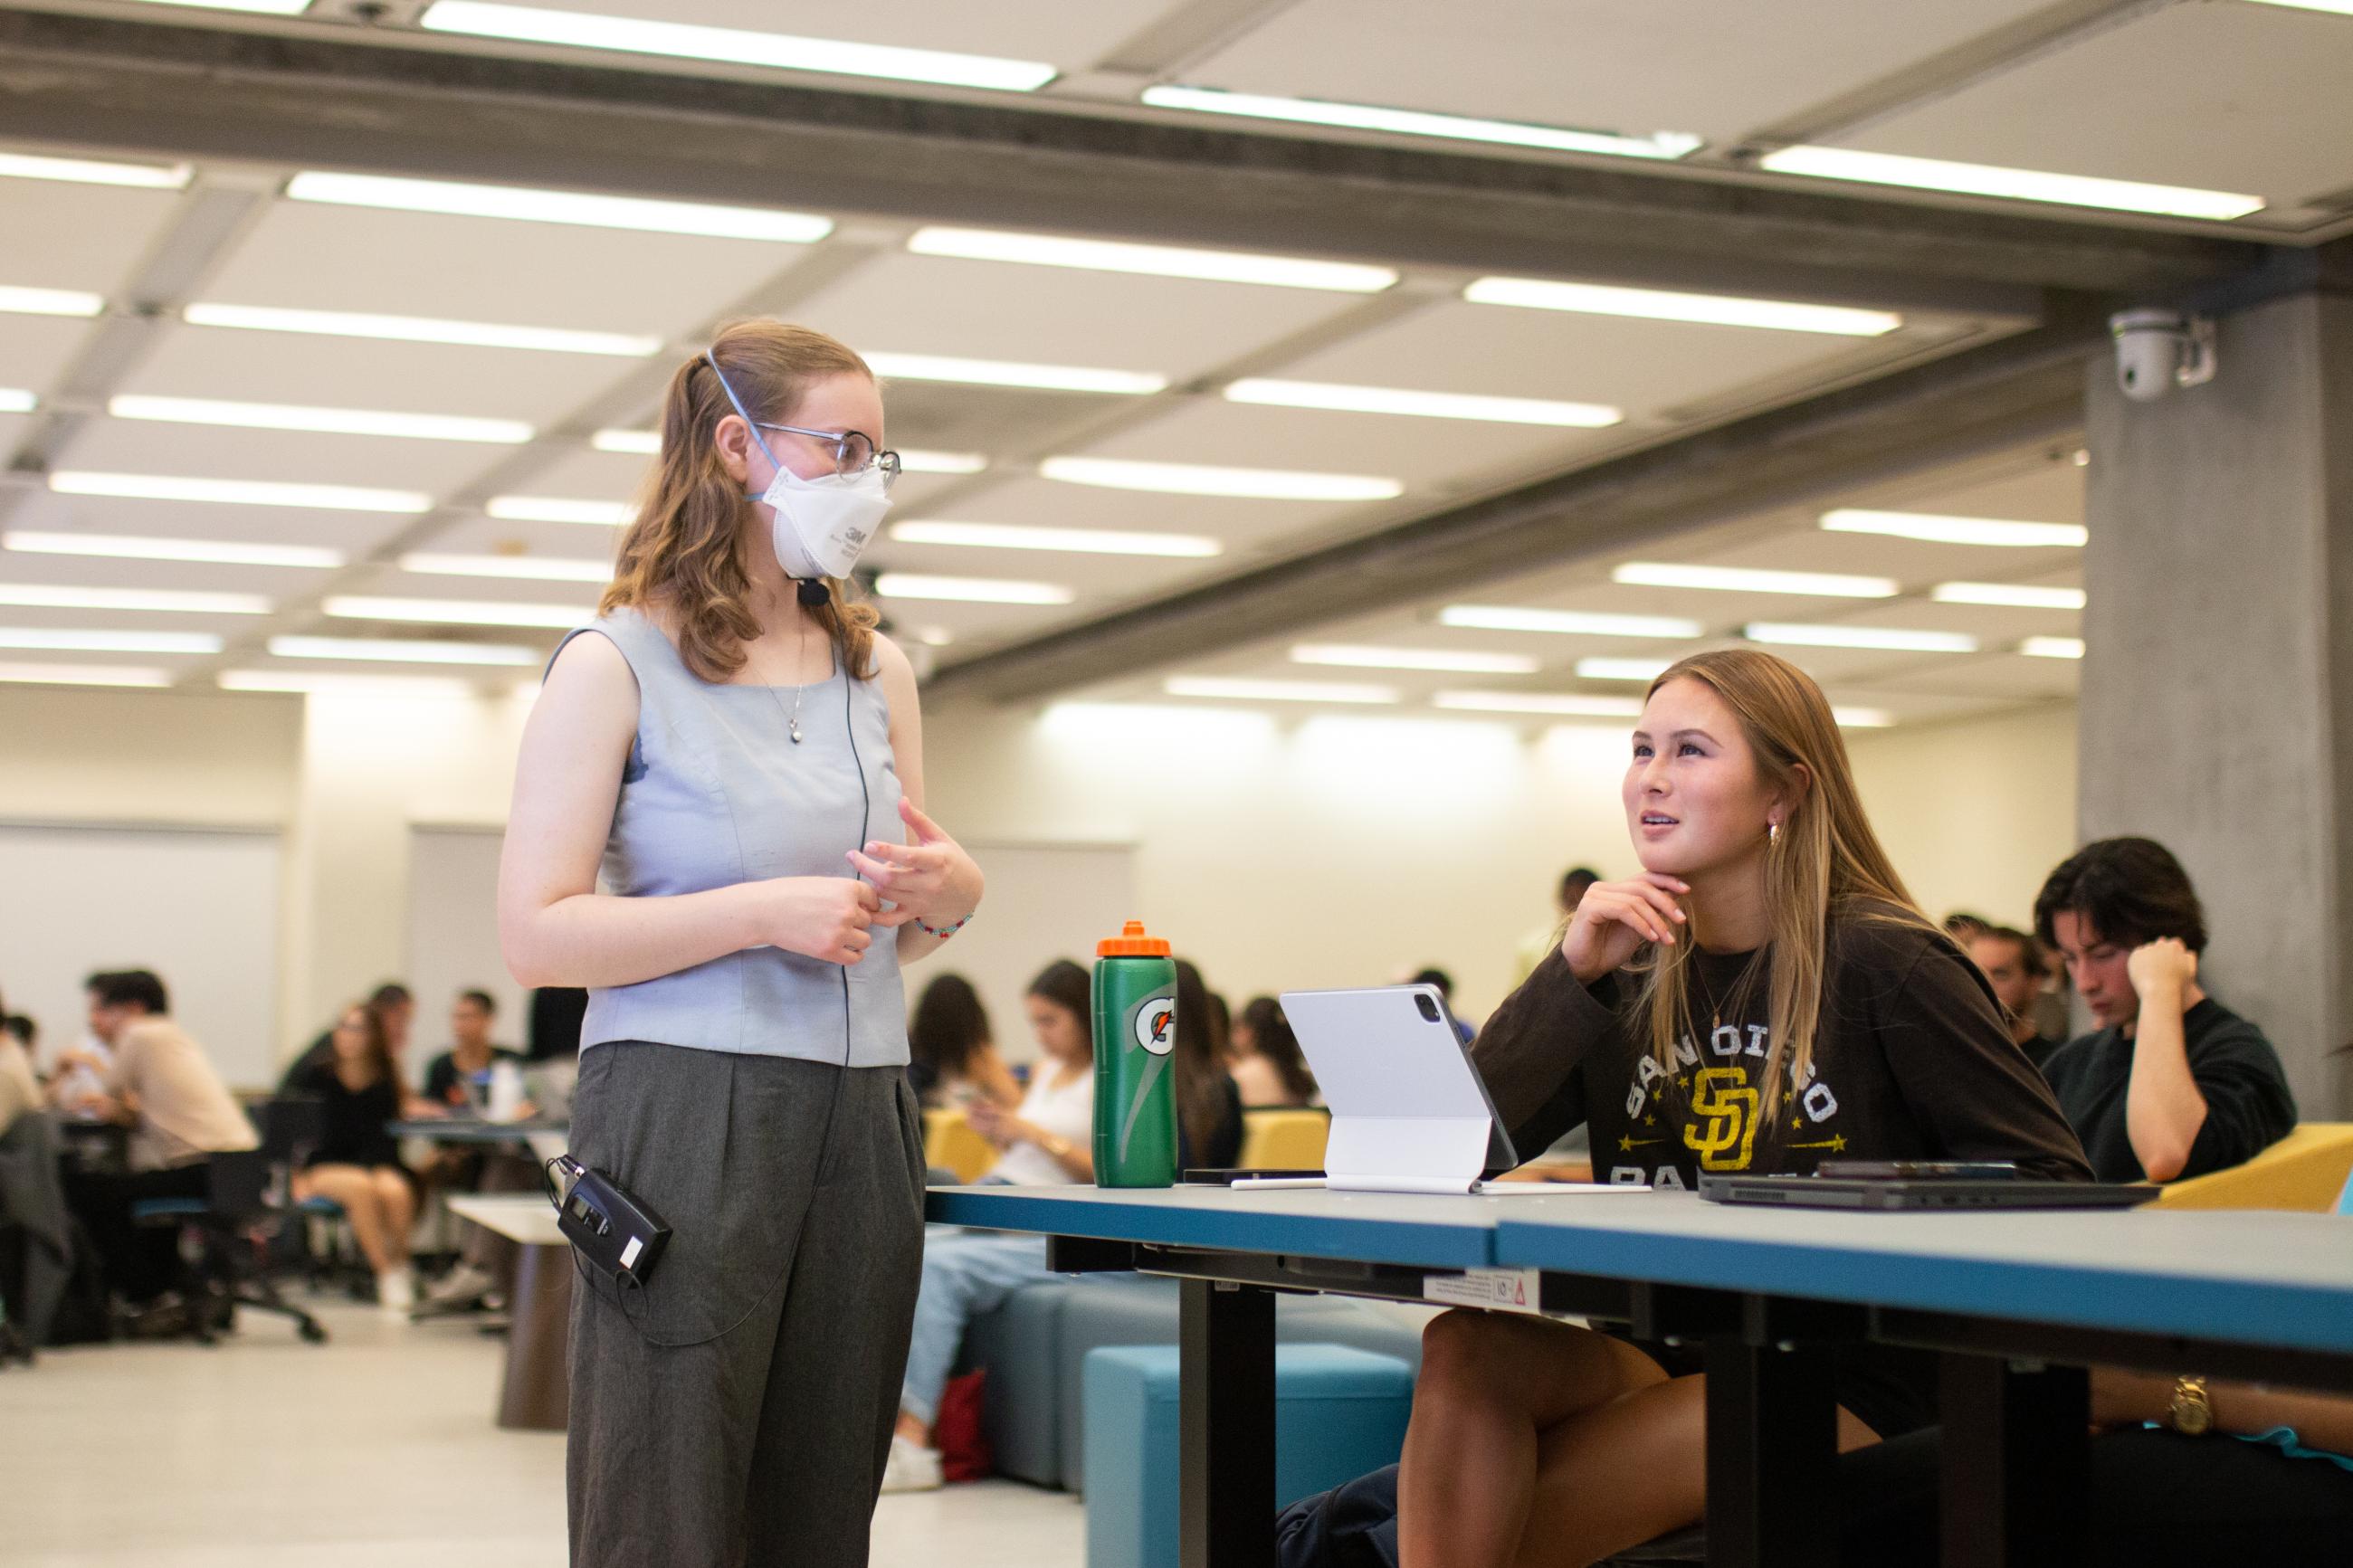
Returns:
point(525, 1217)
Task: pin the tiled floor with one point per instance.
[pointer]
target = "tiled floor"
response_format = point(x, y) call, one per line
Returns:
point(374, 1449)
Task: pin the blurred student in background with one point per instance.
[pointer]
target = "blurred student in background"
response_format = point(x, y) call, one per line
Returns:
point(1538, 944)
point(356, 1163)
point(952, 1055)
point(1268, 1069)
point(2171, 1083)
point(2013, 962)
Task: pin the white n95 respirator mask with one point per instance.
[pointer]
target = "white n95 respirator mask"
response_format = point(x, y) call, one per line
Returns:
point(822, 525)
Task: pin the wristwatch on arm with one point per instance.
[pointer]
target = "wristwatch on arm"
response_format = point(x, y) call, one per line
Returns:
point(2191, 1413)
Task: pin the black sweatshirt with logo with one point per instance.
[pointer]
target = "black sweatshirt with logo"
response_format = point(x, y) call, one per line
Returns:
point(1911, 1061)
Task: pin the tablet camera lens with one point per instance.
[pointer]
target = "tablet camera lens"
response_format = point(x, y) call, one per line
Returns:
point(1429, 1008)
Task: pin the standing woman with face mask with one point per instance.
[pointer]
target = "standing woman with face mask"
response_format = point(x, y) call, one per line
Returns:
point(740, 753)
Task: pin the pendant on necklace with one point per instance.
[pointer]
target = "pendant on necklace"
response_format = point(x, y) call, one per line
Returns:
point(795, 731)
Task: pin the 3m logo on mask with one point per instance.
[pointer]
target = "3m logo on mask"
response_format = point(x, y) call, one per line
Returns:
point(1723, 1132)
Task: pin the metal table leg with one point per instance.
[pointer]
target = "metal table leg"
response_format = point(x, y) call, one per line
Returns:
point(2017, 1463)
point(1772, 1456)
point(1226, 1421)
point(535, 1392)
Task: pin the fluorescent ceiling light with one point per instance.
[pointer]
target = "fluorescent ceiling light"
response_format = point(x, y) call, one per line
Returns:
point(934, 636)
point(970, 590)
point(456, 612)
point(1154, 260)
point(1080, 541)
point(1753, 579)
point(83, 674)
point(264, 7)
point(1667, 305)
point(16, 401)
point(634, 443)
point(1008, 373)
point(2018, 185)
point(537, 568)
point(41, 595)
point(402, 650)
point(1892, 639)
point(920, 461)
point(331, 421)
point(419, 329)
point(1276, 690)
point(1557, 702)
point(575, 207)
point(561, 509)
point(1862, 718)
point(309, 680)
point(1426, 405)
point(1415, 122)
point(1194, 480)
point(20, 301)
point(129, 547)
point(2017, 595)
point(237, 492)
point(107, 642)
point(2053, 648)
point(2333, 7)
point(1621, 668)
point(1579, 623)
point(1461, 661)
point(91, 172)
point(734, 45)
point(1936, 529)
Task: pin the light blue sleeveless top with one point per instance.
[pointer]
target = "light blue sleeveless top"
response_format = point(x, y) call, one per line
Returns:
point(715, 792)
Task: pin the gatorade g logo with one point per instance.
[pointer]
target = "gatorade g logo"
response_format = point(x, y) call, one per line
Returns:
point(1156, 1025)
point(1728, 1106)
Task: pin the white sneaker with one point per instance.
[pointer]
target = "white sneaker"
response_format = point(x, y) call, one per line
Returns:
point(396, 1292)
point(461, 1287)
point(912, 1467)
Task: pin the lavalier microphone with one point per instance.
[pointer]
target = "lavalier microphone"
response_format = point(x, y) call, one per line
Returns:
point(814, 592)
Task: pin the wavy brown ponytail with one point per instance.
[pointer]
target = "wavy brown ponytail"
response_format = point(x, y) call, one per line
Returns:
point(682, 551)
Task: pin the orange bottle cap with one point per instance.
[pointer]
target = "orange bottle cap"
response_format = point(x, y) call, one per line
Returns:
point(1132, 943)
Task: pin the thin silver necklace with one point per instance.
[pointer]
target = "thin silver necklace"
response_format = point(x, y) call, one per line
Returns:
point(793, 722)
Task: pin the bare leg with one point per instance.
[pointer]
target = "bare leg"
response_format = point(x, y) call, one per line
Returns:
point(396, 1200)
point(1620, 1474)
point(1490, 1386)
point(353, 1190)
point(913, 1429)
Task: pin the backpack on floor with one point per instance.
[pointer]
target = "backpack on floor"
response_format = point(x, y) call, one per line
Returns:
point(1351, 1526)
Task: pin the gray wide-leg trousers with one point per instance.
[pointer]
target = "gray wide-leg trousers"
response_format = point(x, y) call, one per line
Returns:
point(737, 1409)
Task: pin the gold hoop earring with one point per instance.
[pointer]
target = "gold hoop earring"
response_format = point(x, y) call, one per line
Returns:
point(1772, 834)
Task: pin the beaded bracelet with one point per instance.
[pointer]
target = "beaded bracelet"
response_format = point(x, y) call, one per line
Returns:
point(943, 933)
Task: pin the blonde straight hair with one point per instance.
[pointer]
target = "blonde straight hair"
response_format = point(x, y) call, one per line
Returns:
point(1824, 863)
point(683, 552)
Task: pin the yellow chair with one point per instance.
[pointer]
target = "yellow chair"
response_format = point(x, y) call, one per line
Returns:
point(2304, 1170)
point(950, 1143)
point(1284, 1140)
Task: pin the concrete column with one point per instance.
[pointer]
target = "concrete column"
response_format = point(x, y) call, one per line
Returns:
point(2217, 708)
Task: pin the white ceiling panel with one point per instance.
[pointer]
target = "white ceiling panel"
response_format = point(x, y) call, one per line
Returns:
point(475, 534)
point(274, 583)
point(2222, 96)
point(589, 475)
point(1716, 67)
point(1994, 626)
point(1071, 37)
point(2009, 677)
point(1644, 367)
point(1913, 563)
point(2038, 491)
point(354, 533)
point(288, 456)
point(65, 235)
point(1245, 525)
point(1176, 327)
point(312, 257)
point(390, 582)
point(1101, 580)
point(227, 628)
point(357, 372)
point(35, 351)
point(1421, 453)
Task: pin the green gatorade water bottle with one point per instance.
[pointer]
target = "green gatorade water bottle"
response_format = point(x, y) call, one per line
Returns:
point(1135, 1030)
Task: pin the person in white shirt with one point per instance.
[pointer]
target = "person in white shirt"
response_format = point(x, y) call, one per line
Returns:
point(1048, 1141)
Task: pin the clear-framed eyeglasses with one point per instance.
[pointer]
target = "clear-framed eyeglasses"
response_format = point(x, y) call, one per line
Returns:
point(853, 451)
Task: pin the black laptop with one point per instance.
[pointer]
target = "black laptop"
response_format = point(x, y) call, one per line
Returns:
point(1919, 1193)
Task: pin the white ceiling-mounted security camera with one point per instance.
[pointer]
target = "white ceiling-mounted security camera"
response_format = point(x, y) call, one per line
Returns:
point(2159, 350)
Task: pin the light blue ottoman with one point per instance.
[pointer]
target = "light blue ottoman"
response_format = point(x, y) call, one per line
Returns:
point(1339, 1413)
